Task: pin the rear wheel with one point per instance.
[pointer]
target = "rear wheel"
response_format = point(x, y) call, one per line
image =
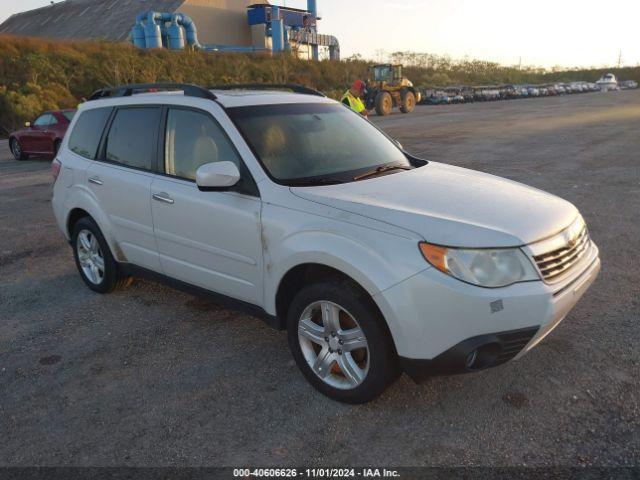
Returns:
point(16, 150)
point(384, 103)
point(94, 260)
point(339, 342)
point(408, 102)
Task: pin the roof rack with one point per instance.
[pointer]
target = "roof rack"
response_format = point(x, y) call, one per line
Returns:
point(133, 89)
point(270, 86)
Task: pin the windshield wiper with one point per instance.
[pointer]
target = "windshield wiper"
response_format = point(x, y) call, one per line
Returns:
point(307, 182)
point(382, 169)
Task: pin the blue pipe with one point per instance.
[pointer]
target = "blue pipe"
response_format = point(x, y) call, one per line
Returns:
point(154, 36)
point(176, 35)
point(312, 7)
point(277, 30)
point(138, 36)
point(190, 30)
point(151, 31)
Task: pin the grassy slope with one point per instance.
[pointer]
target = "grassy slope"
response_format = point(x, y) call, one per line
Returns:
point(37, 75)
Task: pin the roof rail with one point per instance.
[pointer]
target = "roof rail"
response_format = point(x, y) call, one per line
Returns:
point(133, 89)
point(270, 86)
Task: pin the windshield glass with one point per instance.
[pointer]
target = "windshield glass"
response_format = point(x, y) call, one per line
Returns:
point(69, 115)
point(314, 141)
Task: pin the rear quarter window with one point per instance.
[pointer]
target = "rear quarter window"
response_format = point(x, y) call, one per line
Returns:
point(87, 132)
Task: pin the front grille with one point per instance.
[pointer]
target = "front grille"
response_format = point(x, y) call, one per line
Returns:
point(513, 343)
point(554, 264)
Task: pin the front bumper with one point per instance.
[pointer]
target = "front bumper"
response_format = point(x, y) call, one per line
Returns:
point(471, 355)
point(437, 321)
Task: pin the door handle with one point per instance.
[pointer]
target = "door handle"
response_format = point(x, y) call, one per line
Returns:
point(163, 197)
point(95, 180)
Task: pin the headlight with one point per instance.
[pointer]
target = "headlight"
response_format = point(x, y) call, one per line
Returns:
point(490, 268)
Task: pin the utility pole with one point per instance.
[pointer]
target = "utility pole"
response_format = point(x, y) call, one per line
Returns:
point(620, 59)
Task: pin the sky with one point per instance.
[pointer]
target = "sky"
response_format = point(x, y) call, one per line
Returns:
point(543, 33)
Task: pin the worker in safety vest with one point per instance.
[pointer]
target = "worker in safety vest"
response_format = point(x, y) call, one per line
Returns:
point(354, 98)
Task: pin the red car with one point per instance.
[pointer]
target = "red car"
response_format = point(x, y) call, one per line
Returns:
point(42, 137)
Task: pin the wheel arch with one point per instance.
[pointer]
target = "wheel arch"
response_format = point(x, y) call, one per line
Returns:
point(73, 217)
point(299, 276)
point(82, 205)
point(302, 275)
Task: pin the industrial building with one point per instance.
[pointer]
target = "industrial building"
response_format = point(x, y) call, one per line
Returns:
point(210, 25)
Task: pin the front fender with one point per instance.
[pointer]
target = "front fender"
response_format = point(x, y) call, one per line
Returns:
point(359, 259)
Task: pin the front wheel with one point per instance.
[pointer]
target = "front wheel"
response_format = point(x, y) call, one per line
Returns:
point(408, 102)
point(384, 103)
point(16, 150)
point(337, 338)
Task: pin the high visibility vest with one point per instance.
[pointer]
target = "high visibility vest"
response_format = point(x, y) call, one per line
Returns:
point(355, 103)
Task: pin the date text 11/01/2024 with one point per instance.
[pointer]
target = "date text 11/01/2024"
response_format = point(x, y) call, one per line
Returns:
point(316, 473)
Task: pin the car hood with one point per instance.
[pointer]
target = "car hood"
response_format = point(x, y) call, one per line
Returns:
point(452, 206)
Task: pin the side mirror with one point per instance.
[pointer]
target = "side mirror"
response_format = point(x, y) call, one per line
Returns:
point(27, 124)
point(217, 176)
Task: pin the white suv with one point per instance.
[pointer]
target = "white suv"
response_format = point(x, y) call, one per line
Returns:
point(292, 206)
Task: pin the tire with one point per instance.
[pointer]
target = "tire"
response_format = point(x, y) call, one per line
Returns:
point(371, 368)
point(384, 103)
point(104, 278)
point(408, 102)
point(16, 150)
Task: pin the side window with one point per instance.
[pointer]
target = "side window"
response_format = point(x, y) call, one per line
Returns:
point(86, 134)
point(132, 137)
point(193, 139)
point(43, 120)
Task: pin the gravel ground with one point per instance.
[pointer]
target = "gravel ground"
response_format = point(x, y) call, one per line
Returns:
point(151, 376)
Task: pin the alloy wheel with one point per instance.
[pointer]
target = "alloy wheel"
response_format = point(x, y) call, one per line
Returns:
point(334, 345)
point(90, 257)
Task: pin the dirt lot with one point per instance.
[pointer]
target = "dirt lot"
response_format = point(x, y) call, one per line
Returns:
point(151, 376)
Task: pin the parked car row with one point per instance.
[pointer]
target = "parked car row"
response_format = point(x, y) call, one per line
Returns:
point(628, 85)
point(487, 93)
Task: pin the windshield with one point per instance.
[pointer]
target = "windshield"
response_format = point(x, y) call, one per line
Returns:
point(69, 115)
point(382, 72)
point(325, 142)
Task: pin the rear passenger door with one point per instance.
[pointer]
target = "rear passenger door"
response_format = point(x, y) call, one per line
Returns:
point(121, 181)
point(208, 239)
